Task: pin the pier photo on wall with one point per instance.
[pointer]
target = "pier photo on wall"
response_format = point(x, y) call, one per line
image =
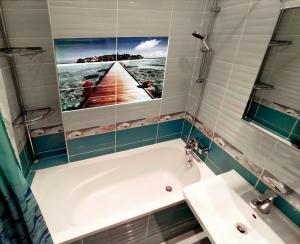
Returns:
point(94, 72)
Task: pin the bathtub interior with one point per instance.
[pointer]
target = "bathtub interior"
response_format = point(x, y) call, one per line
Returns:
point(92, 194)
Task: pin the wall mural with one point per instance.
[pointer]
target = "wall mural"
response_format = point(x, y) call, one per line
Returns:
point(94, 72)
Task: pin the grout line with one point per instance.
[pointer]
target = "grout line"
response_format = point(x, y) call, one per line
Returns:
point(230, 75)
point(57, 80)
point(166, 64)
point(116, 78)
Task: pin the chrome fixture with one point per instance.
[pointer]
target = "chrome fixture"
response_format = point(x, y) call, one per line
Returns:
point(10, 52)
point(207, 55)
point(202, 37)
point(280, 43)
point(20, 51)
point(264, 202)
point(193, 148)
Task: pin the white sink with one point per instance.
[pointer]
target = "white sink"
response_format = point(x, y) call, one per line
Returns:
point(221, 206)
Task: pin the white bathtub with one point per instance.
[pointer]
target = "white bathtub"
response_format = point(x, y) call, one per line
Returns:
point(87, 196)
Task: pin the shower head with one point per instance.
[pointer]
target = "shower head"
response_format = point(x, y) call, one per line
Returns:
point(198, 35)
point(202, 37)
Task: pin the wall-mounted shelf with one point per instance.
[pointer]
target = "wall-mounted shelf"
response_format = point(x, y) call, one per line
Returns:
point(32, 116)
point(262, 86)
point(280, 43)
point(20, 51)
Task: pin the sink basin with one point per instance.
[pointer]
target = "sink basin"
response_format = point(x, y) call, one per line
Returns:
point(221, 206)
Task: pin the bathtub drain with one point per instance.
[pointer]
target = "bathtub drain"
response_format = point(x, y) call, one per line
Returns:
point(169, 188)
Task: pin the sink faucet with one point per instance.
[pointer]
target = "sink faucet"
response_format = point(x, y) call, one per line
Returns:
point(264, 202)
point(193, 146)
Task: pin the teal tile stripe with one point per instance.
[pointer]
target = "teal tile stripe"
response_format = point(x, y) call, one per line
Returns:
point(272, 119)
point(137, 134)
point(91, 143)
point(97, 145)
point(220, 161)
point(26, 159)
point(292, 213)
point(50, 162)
point(93, 154)
point(170, 127)
point(135, 145)
point(49, 145)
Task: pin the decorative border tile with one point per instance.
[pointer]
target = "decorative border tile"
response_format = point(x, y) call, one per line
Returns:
point(47, 130)
point(123, 125)
point(262, 175)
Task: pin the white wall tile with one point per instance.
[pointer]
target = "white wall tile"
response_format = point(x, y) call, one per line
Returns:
point(37, 75)
point(86, 118)
point(184, 23)
point(134, 111)
point(80, 22)
point(143, 23)
point(190, 5)
point(160, 5)
point(40, 97)
point(104, 4)
point(27, 23)
point(173, 104)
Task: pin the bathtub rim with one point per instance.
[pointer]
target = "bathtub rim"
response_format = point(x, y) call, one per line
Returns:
point(80, 232)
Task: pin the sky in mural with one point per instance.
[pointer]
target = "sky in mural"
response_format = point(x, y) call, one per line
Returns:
point(97, 72)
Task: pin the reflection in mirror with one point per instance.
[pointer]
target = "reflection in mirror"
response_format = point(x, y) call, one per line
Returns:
point(274, 104)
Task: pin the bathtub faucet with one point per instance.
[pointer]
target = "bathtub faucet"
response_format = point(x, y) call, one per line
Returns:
point(193, 149)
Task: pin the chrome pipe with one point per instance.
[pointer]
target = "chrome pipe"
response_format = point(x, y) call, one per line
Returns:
point(16, 82)
point(206, 60)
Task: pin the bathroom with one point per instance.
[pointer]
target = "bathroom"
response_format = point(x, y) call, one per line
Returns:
point(162, 121)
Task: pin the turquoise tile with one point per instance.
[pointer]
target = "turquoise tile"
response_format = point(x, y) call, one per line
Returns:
point(252, 110)
point(137, 134)
point(49, 142)
point(213, 167)
point(292, 213)
point(225, 163)
point(30, 177)
point(26, 159)
point(275, 120)
point(135, 145)
point(168, 138)
point(50, 162)
point(52, 153)
point(91, 143)
point(92, 154)
point(295, 135)
point(170, 127)
point(205, 141)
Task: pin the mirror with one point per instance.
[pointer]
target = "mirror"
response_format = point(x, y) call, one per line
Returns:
point(274, 104)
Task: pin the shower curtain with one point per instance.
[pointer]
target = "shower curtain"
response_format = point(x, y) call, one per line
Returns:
point(21, 220)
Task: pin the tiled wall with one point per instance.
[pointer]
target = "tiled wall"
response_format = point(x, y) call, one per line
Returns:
point(223, 156)
point(239, 39)
point(283, 63)
point(27, 24)
point(97, 131)
point(277, 122)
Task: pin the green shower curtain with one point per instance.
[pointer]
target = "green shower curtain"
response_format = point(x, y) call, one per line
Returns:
point(21, 220)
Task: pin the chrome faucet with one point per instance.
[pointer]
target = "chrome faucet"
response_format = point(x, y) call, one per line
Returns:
point(264, 202)
point(192, 147)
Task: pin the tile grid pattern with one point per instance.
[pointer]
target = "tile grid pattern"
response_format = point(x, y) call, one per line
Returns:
point(244, 28)
point(223, 157)
point(168, 18)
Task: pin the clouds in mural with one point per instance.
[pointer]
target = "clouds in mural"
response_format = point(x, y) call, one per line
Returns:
point(147, 45)
point(92, 73)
